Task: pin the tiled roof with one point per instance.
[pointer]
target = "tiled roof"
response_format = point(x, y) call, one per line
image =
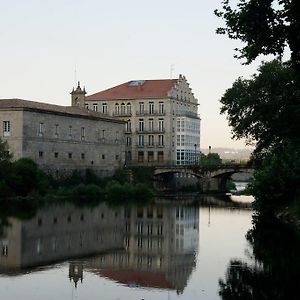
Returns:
point(138, 89)
point(52, 108)
point(137, 278)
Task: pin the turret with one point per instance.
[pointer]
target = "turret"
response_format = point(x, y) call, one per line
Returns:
point(78, 96)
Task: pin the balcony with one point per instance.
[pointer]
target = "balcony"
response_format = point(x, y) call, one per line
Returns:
point(151, 113)
point(122, 114)
point(153, 131)
point(188, 114)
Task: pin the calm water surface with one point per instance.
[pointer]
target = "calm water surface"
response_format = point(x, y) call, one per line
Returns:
point(168, 250)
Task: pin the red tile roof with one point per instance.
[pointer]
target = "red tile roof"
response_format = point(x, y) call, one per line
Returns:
point(52, 108)
point(134, 90)
point(137, 278)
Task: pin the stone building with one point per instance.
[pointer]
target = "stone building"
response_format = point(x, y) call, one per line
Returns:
point(61, 139)
point(58, 233)
point(163, 125)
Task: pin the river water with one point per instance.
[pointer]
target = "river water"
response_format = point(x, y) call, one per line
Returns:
point(172, 249)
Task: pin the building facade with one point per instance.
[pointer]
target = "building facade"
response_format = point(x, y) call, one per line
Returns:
point(61, 139)
point(162, 121)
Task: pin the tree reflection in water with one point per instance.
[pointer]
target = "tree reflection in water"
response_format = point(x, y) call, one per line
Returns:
point(274, 272)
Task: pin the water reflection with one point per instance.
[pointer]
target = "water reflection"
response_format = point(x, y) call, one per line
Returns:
point(273, 269)
point(153, 246)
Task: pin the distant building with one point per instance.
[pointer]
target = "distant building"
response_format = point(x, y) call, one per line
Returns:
point(61, 139)
point(163, 125)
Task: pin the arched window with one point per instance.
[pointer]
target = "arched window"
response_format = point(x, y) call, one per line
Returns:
point(117, 109)
point(122, 109)
point(129, 108)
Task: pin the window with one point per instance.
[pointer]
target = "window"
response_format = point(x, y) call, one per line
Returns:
point(82, 155)
point(151, 108)
point(104, 108)
point(41, 129)
point(140, 214)
point(117, 109)
point(103, 156)
point(117, 157)
point(150, 124)
point(86, 105)
point(128, 141)
point(56, 130)
point(140, 156)
point(128, 109)
point(160, 140)
point(161, 125)
point(70, 154)
point(70, 131)
point(140, 140)
point(141, 125)
point(150, 215)
point(160, 156)
point(129, 156)
point(122, 109)
point(160, 212)
point(161, 107)
point(128, 126)
point(4, 248)
point(151, 140)
point(150, 156)
point(55, 154)
point(82, 133)
point(6, 128)
point(142, 108)
point(41, 154)
point(95, 107)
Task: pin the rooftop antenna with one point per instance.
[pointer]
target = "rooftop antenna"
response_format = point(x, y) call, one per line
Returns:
point(171, 71)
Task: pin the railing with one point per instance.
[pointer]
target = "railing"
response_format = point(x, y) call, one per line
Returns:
point(122, 114)
point(150, 113)
point(150, 131)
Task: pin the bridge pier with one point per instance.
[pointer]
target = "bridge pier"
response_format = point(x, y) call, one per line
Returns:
point(209, 185)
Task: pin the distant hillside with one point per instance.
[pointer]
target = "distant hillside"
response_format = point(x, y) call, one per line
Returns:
point(230, 153)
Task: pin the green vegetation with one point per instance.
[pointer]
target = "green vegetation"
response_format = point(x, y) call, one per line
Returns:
point(230, 185)
point(211, 159)
point(22, 183)
point(265, 110)
point(265, 27)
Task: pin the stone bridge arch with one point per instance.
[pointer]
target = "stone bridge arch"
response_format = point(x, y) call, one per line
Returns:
point(209, 178)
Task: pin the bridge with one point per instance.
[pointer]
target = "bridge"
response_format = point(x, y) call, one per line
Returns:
point(209, 178)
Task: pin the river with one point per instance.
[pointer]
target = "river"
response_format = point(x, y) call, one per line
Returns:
point(172, 249)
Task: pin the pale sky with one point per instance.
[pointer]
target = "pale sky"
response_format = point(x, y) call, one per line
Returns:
point(42, 42)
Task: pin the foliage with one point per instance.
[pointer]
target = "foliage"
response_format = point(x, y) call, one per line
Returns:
point(5, 156)
point(22, 178)
point(265, 26)
point(127, 193)
point(230, 185)
point(273, 268)
point(211, 159)
point(266, 108)
point(277, 181)
point(143, 175)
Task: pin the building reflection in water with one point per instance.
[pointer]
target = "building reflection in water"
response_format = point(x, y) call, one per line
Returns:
point(153, 246)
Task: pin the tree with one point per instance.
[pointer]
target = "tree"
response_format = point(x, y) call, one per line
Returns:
point(4, 152)
point(265, 26)
point(211, 159)
point(265, 109)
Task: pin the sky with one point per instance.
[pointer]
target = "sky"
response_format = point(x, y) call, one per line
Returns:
point(46, 46)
